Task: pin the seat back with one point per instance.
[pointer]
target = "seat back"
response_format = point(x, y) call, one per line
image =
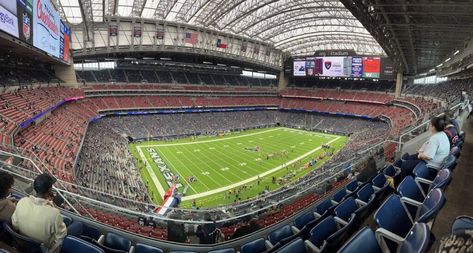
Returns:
point(421, 170)
point(408, 188)
point(296, 245)
point(67, 220)
point(392, 216)
point(323, 206)
point(442, 179)
point(302, 220)
point(345, 209)
point(390, 171)
point(279, 234)
point(256, 246)
point(24, 244)
point(449, 162)
point(352, 186)
point(364, 241)
point(431, 205)
point(339, 195)
point(417, 240)
point(90, 233)
point(73, 244)
point(143, 248)
point(230, 250)
point(323, 230)
point(117, 242)
point(379, 181)
point(365, 193)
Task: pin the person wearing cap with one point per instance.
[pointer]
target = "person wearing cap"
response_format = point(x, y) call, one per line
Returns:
point(38, 218)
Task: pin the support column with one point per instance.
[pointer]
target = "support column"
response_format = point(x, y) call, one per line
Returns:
point(66, 73)
point(398, 84)
point(283, 80)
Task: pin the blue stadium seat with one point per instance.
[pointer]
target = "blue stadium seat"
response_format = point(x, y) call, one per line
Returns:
point(23, 243)
point(90, 233)
point(450, 162)
point(182, 251)
point(417, 240)
point(73, 244)
point(280, 234)
point(143, 248)
point(230, 250)
point(294, 246)
point(410, 189)
point(432, 204)
point(326, 234)
point(380, 184)
point(339, 196)
point(346, 211)
point(352, 186)
point(303, 220)
point(67, 220)
point(115, 243)
point(422, 171)
point(391, 171)
point(4, 251)
point(395, 225)
point(461, 224)
point(324, 208)
point(441, 180)
point(256, 246)
point(366, 195)
point(363, 241)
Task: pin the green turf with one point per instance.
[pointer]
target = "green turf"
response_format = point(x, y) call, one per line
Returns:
point(223, 162)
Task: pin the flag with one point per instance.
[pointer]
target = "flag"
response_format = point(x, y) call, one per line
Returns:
point(268, 51)
point(160, 34)
point(191, 38)
point(220, 44)
point(256, 49)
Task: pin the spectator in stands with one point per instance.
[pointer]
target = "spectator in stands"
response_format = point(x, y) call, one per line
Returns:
point(451, 128)
point(176, 230)
point(38, 218)
point(247, 227)
point(369, 171)
point(7, 207)
point(433, 152)
point(207, 232)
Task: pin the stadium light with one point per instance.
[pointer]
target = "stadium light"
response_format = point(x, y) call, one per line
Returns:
point(456, 52)
point(207, 62)
point(432, 70)
point(448, 59)
point(440, 65)
point(165, 59)
point(234, 67)
point(221, 65)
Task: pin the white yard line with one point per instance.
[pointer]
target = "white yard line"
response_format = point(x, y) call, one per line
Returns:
point(197, 142)
point(151, 172)
point(228, 187)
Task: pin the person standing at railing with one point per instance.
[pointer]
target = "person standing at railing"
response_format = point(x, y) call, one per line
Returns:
point(433, 152)
point(7, 206)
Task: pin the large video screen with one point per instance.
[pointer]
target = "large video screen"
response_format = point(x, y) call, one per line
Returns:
point(37, 23)
point(338, 66)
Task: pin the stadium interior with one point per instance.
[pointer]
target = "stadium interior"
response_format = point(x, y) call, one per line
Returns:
point(236, 126)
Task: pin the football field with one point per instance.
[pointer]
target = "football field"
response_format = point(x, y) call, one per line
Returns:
point(217, 170)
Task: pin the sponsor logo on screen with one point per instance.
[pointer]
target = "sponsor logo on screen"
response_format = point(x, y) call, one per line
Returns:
point(46, 16)
point(328, 64)
point(8, 22)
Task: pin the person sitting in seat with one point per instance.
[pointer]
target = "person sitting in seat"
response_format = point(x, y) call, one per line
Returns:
point(38, 218)
point(7, 206)
point(433, 152)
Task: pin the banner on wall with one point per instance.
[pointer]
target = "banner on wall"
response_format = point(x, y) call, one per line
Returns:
point(46, 24)
point(244, 46)
point(137, 31)
point(25, 20)
point(299, 68)
point(113, 29)
point(256, 49)
point(8, 19)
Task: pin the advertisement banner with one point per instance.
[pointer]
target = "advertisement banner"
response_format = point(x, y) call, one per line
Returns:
point(357, 67)
point(333, 66)
point(137, 31)
point(25, 20)
point(160, 34)
point(64, 42)
point(299, 68)
point(113, 29)
point(8, 20)
point(46, 26)
point(371, 67)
